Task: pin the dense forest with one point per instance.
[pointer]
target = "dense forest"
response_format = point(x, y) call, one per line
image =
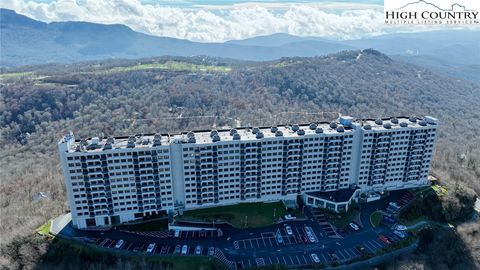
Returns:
point(41, 103)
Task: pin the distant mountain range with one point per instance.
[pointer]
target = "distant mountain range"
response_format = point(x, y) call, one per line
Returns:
point(25, 41)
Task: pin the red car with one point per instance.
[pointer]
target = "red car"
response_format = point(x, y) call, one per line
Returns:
point(305, 239)
point(384, 239)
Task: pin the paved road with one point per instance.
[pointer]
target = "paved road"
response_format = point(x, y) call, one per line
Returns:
point(257, 247)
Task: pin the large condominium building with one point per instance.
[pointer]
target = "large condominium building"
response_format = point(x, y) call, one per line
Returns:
point(114, 180)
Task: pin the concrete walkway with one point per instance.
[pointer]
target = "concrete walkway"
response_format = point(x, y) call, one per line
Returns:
point(59, 223)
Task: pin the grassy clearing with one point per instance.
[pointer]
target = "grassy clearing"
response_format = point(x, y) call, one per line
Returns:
point(375, 218)
point(287, 63)
point(45, 228)
point(172, 65)
point(341, 220)
point(14, 75)
point(441, 191)
point(254, 215)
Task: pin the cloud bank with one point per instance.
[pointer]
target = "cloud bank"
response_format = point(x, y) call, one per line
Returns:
point(218, 23)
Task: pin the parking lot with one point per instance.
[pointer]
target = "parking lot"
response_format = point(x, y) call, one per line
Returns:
point(275, 239)
point(163, 249)
point(183, 234)
point(327, 228)
point(290, 243)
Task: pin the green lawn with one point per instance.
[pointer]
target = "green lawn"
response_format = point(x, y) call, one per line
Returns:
point(15, 75)
point(45, 228)
point(172, 65)
point(341, 220)
point(255, 214)
point(375, 218)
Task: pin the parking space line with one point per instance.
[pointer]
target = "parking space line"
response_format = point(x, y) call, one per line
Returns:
point(305, 259)
point(348, 253)
point(353, 251)
point(367, 245)
point(291, 260)
point(278, 261)
point(377, 244)
point(284, 261)
point(270, 260)
point(343, 256)
point(299, 263)
point(324, 258)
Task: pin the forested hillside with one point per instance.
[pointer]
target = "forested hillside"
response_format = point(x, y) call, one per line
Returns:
point(170, 94)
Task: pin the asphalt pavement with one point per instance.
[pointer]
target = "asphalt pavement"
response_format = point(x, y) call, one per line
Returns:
point(256, 247)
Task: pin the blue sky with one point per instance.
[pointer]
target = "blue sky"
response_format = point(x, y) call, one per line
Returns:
point(222, 20)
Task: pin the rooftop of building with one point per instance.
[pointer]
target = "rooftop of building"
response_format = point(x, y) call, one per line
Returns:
point(343, 125)
point(341, 195)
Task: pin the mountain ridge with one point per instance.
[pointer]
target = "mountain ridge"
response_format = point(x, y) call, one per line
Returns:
point(26, 41)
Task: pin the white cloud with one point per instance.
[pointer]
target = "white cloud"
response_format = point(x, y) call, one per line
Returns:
point(217, 23)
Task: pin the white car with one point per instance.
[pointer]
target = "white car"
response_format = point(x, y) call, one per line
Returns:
point(394, 205)
point(150, 248)
point(315, 258)
point(184, 249)
point(311, 238)
point(400, 227)
point(289, 217)
point(354, 226)
point(119, 244)
point(177, 233)
point(198, 250)
point(289, 230)
point(400, 234)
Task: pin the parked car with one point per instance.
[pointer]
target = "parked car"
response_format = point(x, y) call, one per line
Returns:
point(184, 250)
point(388, 219)
point(384, 239)
point(177, 233)
point(178, 248)
point(315, 258)
point(279, 238)
point(289, 230)
point(400, 234)
point(354, 226)
point(119, 244)
point(332, 255)
point(311, 238)
point(289, 217)
point(150, 248)
point(136, 249)
point(361, 249)
point(393, 204)
point(211, 251)
point(198, 250)
point(399, 227)
point(305, 239)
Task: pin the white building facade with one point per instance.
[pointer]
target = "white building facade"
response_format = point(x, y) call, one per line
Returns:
point(115, 180)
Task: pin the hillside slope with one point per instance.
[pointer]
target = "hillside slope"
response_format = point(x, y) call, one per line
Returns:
point(37, 109)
